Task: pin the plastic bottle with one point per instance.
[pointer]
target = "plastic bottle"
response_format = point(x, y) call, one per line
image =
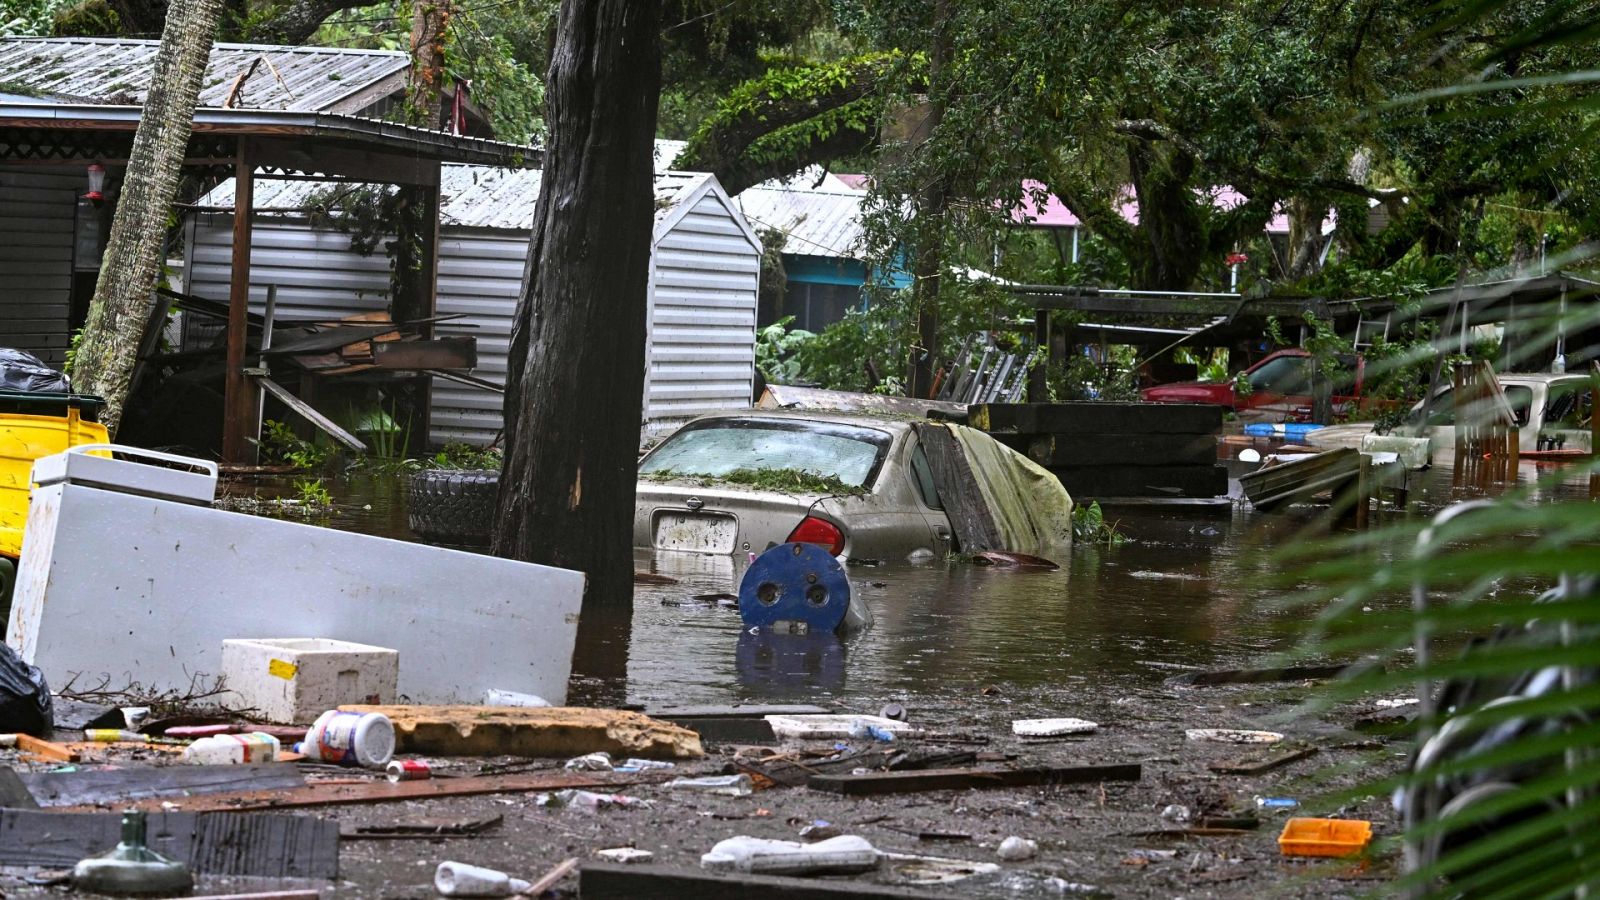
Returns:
point(351, 739)
point(453, 879)
point(112, 735)
point(861, 729)
point(1276, 803)
point(235, 749)
point(644, 765)
point(844, 854)
point(728, 785)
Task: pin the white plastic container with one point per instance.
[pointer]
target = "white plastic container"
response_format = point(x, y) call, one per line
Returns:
point(727, 785)
point(497, 697)
point(232, 749)
point(1052, 727)
point(453, 879)
point(829, 727)
point(351, 739)
point(844, 854)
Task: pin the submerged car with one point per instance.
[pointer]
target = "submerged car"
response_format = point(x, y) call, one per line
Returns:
point(1279, 389)
point(1552, 413)
point(859, 485)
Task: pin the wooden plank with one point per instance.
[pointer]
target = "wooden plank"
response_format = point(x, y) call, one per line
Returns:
point(963, 779)
point(439, 353)
point(212, 844)
point(623, 881)
point(30, 744)
point(964, 504)
point(1094, 417)
point(95, 787)
point(325, 794)
point(1143, 481)
point(305, 411)
point(549, 879)
point(1123, 449)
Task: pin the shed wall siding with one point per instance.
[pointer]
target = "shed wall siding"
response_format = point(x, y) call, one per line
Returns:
point(702, 315)
point(36, 220)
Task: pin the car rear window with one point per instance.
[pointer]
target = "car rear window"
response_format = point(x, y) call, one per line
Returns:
point(717, 447)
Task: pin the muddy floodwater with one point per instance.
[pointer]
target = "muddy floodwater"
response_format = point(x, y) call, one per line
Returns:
point(1183, 591)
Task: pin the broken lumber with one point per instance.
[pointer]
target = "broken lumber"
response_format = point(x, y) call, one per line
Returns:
point(333, 794)
point(624, 881)
point(102, 787)
point(422, 827)
point(30, 744)
point(547, 731)
point(963, 779)
point(213, 844)
point(1258, 765)
point(964, 503)
point(549, 879)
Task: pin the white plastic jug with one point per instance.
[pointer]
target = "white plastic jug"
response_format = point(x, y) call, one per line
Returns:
point(453, 879)
point(351, 739)
point(844, 854)
point(235, 749)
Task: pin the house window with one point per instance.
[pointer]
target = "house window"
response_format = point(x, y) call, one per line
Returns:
point(816, 306)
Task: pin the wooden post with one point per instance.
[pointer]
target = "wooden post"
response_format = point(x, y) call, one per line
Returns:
point(1039, 376)
point(238, 395)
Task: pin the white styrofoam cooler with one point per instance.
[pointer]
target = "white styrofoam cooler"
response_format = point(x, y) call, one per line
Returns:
point(123, 581)
point(291, 681)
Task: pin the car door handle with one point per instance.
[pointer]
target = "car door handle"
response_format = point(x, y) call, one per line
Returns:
point(942, 532)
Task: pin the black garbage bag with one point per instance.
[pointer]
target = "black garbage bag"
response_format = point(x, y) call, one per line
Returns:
point(24, 697)
point(21, 371)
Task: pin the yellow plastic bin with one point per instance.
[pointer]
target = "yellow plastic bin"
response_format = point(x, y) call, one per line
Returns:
point(1324, 837)
point(33, 426)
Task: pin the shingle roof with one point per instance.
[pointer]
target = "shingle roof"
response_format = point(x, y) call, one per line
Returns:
point(300, 79)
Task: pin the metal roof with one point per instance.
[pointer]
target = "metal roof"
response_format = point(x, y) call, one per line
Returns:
point(814, 222)
point(309, 128)
point(117, 71)
point(470, 196)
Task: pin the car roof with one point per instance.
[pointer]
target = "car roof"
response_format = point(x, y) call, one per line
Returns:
point(894, 425)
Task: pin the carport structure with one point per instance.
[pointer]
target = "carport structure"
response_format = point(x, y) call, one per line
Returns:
point(64, 139)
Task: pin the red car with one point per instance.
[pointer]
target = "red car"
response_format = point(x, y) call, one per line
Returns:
point(1279, 389)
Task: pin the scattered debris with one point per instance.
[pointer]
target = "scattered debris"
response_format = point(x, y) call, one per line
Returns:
point(1016, 849)
point(625, 855)
point(1011, 560)
point(845, 854)
point(1232, 736)
point(422, 827)
point(453, 879)
point(351, 738)
point(829, 727)
point(861, 730)
point(1276, 803)
point(727, 785)
point(1259, 765)
point(909, 869)
point(1052, 727)
point(588, 800)
point(1175, 812)
point(591, 762)
point(232, 749)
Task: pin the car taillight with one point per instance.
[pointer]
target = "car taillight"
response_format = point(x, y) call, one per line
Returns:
point(821, 532)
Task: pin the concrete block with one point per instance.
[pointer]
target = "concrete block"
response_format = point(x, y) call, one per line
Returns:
point(294, 680)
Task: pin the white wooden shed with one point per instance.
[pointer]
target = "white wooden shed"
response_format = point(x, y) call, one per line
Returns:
point(705, 264)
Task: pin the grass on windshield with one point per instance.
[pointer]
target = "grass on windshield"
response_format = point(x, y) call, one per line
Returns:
point(784, 481)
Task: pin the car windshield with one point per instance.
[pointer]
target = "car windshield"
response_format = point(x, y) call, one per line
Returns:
point(1287, 375)
point(718, 447)
point(1442, 411)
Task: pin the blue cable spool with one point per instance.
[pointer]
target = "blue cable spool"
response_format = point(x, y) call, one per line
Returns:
point(794, 583)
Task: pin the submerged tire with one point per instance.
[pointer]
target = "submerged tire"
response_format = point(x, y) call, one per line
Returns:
point(453, 506)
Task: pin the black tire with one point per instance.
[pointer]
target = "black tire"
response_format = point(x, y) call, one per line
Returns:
point(453, 506)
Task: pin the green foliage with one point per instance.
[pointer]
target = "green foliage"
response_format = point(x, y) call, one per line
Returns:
point(1089, 527)
point(311, 492)
point(279, 445)
point(776, 346)
point(34, 18)
point(465, 456)
point(785, 481)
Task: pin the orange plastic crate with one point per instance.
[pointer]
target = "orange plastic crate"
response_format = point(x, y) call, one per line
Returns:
point(1324, 837)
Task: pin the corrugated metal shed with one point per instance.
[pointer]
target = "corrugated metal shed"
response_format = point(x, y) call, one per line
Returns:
point(300, 79)
point(705, 265)
point(36, 247)
point(819, 222)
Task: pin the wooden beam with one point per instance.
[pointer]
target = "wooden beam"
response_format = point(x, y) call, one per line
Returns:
point(621, 881)
point(438, 353)
point(231, 844)
point(305, 411)
point(965, 779)
point(239, 408)
point(964, 504)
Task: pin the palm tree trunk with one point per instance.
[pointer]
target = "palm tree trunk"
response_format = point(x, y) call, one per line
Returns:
point(122, 297)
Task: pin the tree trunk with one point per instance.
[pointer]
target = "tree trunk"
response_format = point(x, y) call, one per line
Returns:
point(122, 301)
point(1305, 240)
point(430, 22)
point(576, 378)
point(930, 220)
